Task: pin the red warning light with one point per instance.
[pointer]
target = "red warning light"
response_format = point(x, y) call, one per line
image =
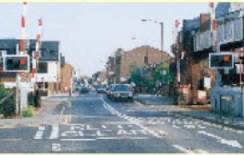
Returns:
point(22, 61)
point(226, 58)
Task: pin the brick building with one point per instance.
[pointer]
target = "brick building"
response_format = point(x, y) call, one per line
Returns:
point(123, 62)
point(66, 78)
point(48, 69)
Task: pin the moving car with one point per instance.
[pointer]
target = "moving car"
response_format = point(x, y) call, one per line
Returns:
point(84, 90)
point(101, 89)
point(109, 90)
point(122, 92)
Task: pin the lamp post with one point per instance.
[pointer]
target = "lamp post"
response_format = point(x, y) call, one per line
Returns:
point(162, 30)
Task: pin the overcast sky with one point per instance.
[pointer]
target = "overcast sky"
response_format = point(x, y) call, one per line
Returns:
point(89, 33)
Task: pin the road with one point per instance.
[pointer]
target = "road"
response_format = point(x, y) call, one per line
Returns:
point(93, 124)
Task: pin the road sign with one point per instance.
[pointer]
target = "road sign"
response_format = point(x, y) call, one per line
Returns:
point(221, 60)
point(16, 63)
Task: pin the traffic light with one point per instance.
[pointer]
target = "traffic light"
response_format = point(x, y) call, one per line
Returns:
point(16, 63)
point(222, 60)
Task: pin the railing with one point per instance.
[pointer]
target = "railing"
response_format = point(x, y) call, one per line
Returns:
point(6, 97)
point(202, 40)
point(230, 31)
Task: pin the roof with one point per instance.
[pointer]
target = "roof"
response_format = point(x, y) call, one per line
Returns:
point(222, 9)
point(8, 45)
point(229, 16)
point(49, 49)
point(191, 24)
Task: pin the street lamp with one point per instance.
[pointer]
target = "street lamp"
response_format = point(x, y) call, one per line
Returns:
point(162, 30)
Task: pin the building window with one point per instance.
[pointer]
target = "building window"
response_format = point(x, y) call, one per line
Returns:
point(146, 60)
point(42, 67)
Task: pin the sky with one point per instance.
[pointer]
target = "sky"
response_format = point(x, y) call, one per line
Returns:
point(89, 33)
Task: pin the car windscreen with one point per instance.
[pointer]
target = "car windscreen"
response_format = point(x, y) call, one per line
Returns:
point(121, 88)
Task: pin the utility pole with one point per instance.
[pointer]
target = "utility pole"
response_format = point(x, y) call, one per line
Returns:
point(21, 51)
point(241, 74)
point(162, 30)
point(216, 48)
point(162, 36)
point(176, 26)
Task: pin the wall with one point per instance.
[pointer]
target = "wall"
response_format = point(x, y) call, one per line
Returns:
point(135, 58)
point(66, 77)
point(52, 75)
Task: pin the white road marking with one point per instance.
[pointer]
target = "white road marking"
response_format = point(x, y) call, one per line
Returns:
point(189, 126)
point(233, 143)
point(175, 126)
point(88, 127)
point(122, 132)
point(201, 151)
point(56, 147)
point(98, 133)
point(80, 139)
point(182, 149)
point(186, 150)
point(39, 133)
point(111, 109)
point(120, 126)
point(118, 138)
point(104, 126)
point(201, 127)
point(55, 132)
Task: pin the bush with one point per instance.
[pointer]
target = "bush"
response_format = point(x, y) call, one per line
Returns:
point(7, 108)
point(28, 112)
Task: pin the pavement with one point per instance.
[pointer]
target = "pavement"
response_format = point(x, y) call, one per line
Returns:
point(202, 112)
point(91, 123)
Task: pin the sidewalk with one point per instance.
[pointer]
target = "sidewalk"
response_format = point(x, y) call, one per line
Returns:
point(44, 115)
point(154, 100)
point(202, 112)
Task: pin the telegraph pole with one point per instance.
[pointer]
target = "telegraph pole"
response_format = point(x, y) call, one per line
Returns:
point(241, 83)
point(162, 36)
point(215, 46)
point(176, 26)
point(21, 50)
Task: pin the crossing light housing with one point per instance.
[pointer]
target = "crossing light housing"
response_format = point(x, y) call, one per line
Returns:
point(16, 63)
point(221, 60)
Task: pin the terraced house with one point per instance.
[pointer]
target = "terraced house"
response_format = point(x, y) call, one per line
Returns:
point(197, 81)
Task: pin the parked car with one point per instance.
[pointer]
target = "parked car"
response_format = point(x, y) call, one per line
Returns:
point(101, 89)
point(122, 92)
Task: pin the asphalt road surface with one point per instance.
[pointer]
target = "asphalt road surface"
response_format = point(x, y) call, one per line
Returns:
point(93, 124)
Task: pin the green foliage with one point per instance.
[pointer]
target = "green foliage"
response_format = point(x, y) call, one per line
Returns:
point(3, 91)
point(28, 112)
point(7, 108)
point(150, 80)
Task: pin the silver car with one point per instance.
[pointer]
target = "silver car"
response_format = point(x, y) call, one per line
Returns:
point(122, 92)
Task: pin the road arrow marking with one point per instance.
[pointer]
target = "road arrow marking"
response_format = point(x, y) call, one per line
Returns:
point(233, 143)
